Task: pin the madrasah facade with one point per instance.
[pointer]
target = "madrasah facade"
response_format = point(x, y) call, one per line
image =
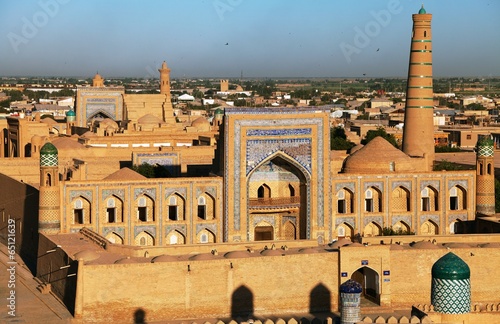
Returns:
point(268, 175)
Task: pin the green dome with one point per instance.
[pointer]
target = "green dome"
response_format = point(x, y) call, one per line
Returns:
point(450, 267)
point(219, 111)
point(70, 113)
point(422, 10)
point(48, 148)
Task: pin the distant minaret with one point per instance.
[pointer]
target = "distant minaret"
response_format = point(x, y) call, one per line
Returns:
point(418, 133)
point(49, 221)
point(164, 79)
point(485, 176)
point(98, 81)
point(168, 110)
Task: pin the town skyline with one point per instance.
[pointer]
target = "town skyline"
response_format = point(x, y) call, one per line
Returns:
point(223, 38)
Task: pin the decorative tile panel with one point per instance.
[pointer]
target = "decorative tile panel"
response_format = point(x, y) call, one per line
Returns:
point(120, 193)
point(211, 227)
point(348, 220)
point(151, 192)
point(87, 194)
point(376, 219)
point(181, 228)
point(292, 219)
point(406, 219)
point(150, 229)
point(181, 191)
point(404, 184)
point(432, 183)
point(279, 132)
point(118, 230)
point(375, 184)
point(462, 183)
point(348, 185)
point(434, 218)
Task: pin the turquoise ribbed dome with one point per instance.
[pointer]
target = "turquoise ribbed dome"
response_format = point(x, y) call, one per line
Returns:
point(70, 113)
point(219, 111)
point(422, 10)
point(450, 267)
point(48, 148)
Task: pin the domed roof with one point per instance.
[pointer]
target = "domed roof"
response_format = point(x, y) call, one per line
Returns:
point(108, 122)
point(86, 255)
point(356, 148)
point(457, 245)
point(378, 156)
point(237, 254)
point(48, 148)
point(342, 242)
point(450, 266)
point(425, 245)
point(149, 119)
point(422, 10)
point(309, 250)
point(164, 258)
point(271, 252)
point(201, 123)
point(203, 256)
point(351, 287)
point(126, 260)
point(219, 111)
point(70, 113)
point(36, 139)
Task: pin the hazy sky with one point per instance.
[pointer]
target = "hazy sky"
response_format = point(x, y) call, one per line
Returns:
point(264, 38)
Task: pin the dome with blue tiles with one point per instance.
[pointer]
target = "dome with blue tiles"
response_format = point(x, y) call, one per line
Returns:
point(422, 10)
point(70, 113)
point(48, 155)
point(351, 287)
point(450, 266)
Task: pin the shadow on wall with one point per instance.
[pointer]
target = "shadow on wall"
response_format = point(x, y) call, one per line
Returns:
point(140, 316)
point(242, 302)
point(19, 209)
point(320, 299)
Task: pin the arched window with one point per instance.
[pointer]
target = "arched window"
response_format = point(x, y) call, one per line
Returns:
point(145, 209)
point(368, 200)
point(425, 33)
point(203, 238)
point(489, 169)
point(78, 212)
point(400, 199)
point(264, 191)
point(341, 206)
point(458, 198)
point(143, 241)
point(202, 208)
point(111, 210)
point(172, 208)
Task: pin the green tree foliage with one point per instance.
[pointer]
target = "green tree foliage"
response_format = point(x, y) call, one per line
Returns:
point(380, 131)
point(445, 165)
point(445, 149)
point(338, 139)
point(475, 106)
point(151, 171)
point(389, 231)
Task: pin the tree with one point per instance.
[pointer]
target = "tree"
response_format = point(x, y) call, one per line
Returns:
point(445, 165)
point(380, 131)
point(338, 139)
point(475, 106)
point(151, 171)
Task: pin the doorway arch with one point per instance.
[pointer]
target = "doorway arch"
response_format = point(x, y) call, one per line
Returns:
point(370, 281)
point(278, 187)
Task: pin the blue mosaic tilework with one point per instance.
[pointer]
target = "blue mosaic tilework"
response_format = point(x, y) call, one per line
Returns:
point(181, 228)
point(181, 191)
point(451, 296)
point(211, 227)
point(430, 183)
point(150, 229)
point(403, 184)
point(379, 220)
point(462, 183)
point(348, 220)
point(87, 194)
point(434, 218)
point(120, 193)
point(406, 219)
point(292, 219)
point(151, 192)
point(279, 132)
point(259, 150)
point(118, 230)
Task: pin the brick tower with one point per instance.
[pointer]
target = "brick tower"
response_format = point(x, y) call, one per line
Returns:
point(164, 79)
point(49, 221)
point(418, 134)
point(485, 176)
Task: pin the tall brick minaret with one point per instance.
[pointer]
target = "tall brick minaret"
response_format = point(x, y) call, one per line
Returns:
point(49, 221)
point(485, 176)
point(164, 79)
point(418, 133)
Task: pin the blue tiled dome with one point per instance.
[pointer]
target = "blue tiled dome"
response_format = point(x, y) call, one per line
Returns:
point(70, 113)
point(450, 267)
point(422, 10)
point(351, 287)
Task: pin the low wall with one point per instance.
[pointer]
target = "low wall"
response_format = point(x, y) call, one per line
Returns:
point(264, 285)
